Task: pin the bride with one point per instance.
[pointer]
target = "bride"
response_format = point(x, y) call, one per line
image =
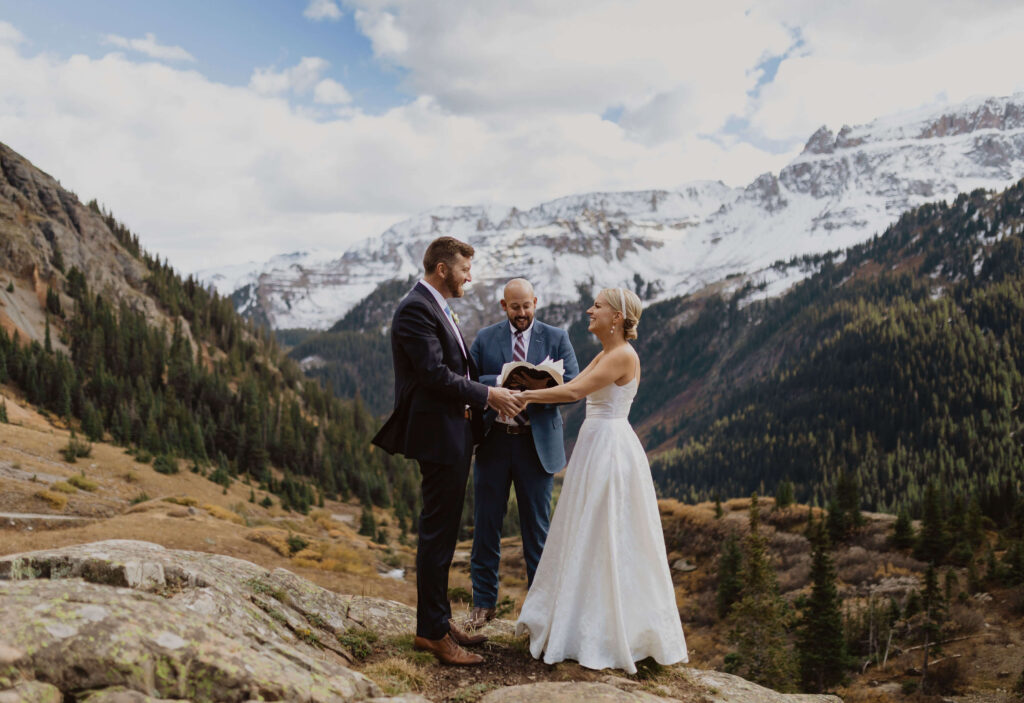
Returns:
point(602, 593)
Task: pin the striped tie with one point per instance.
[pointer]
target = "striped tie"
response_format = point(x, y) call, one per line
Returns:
point(519, 354)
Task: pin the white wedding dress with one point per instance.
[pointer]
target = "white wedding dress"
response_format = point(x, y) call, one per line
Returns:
point(602, 594)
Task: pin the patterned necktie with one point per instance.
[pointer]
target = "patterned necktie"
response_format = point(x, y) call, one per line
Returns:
point(519, 354)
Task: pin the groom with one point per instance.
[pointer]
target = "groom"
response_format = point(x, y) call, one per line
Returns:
point(522, 451)
point(437, 402)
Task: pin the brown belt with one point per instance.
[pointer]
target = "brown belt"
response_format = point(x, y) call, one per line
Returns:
point(515, 429)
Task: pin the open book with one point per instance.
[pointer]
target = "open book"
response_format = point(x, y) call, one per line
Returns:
point(522, 375)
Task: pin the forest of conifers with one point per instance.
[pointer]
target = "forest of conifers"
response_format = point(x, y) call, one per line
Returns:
point(899, 364)
point(228, 399)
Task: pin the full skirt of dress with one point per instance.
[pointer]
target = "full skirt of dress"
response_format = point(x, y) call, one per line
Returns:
point(603, 593)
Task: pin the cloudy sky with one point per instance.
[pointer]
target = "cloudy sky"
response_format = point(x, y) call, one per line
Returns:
point(234, 130)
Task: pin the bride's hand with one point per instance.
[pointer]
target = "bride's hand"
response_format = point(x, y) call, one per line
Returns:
point(523, 398)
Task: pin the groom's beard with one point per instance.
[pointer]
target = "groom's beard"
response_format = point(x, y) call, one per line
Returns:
point(453, 286)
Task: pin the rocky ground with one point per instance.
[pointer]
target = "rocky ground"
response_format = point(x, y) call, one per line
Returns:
point(124, 620)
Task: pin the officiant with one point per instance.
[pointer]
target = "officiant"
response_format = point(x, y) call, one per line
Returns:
point(522, 452)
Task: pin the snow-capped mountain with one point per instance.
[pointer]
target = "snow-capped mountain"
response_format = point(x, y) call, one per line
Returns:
point(842, 189)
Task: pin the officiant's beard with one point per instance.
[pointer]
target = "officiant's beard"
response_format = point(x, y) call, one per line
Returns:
point(521, 322)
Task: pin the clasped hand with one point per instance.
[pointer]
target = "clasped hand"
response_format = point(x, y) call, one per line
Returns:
point(505, 401)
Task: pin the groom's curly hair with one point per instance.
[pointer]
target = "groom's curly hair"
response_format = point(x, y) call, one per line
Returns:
point(443, 250)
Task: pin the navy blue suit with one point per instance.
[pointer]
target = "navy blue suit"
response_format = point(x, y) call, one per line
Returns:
point(429, 424)
point(527, 461)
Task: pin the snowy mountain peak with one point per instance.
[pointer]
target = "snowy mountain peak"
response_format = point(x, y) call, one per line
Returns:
point(843, 188)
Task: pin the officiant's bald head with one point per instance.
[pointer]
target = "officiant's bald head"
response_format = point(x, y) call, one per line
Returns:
point(519, 303)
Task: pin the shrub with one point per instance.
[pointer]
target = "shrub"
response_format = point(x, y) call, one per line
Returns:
point(75, 448)
point(224, 514)
point(944, 678)
point(57, 501)
point(297, 543)
point(143, 457)
point(272, 537)
point(187, 501)
point(165, 464)
point(83, 483)
point(140, 498)
point(358, 641)
point(459, 594)
point(64, 487)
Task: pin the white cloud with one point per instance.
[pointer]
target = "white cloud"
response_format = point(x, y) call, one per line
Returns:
point(505, 108)
point(331, 92)
point(863, 60)
point(9, 34)
point(298, 79)
point(322, 10)
point(149, 46)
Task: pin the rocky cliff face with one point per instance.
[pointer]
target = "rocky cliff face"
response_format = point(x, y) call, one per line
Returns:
point(842, 189)
point(44, 229)
point(132, 621)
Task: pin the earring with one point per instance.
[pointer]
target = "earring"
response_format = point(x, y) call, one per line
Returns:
point(613, 329)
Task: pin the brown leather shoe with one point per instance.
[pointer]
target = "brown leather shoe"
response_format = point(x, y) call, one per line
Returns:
point(478, 617)
point(462, 637)
point(447, 651)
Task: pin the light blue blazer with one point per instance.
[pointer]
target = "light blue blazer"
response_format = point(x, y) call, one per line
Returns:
point(492, 348)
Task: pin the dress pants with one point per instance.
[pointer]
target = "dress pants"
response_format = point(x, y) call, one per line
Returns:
point(443, 488)
point(503, 460)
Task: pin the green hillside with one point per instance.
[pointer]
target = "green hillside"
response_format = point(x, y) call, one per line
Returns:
point(214, 389)
point(899, 363)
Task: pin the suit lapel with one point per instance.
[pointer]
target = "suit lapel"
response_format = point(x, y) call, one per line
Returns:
point(535, 354)
point(505, 334)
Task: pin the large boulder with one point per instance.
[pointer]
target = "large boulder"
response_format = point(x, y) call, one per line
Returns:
point(146, 621)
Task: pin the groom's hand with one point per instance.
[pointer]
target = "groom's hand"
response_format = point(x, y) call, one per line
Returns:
point(502, 400)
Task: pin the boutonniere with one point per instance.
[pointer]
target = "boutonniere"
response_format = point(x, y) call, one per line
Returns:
point(455, 316)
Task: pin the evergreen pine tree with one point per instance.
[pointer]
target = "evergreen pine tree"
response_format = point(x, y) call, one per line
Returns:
point(367, 524)
point(933, 541)
point(730, 584)
point(821, 644)
point(931, 601)
point(758, 620)
point(784, 495)
point(3, 411)
point(903, 531)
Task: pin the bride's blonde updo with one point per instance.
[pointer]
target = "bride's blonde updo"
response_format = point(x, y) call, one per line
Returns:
point(634, 308)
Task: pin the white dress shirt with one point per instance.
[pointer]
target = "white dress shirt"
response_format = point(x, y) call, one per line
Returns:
point(526, 350)
point(451, 320)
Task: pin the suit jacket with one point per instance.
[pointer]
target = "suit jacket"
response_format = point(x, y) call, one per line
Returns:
point(431, 387)
point(492, 348)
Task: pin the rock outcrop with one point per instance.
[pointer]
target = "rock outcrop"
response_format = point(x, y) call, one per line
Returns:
point(122, 621)
point(180, 625)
